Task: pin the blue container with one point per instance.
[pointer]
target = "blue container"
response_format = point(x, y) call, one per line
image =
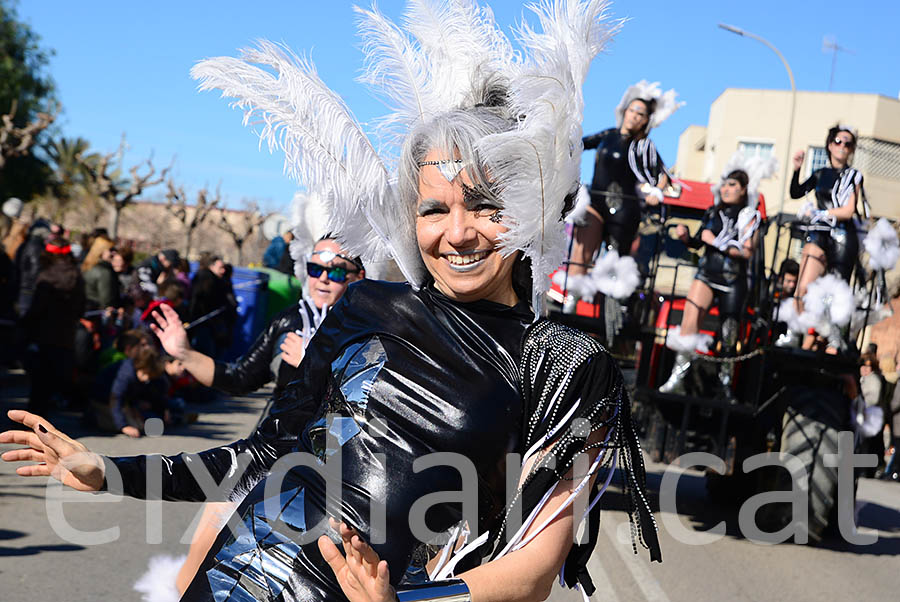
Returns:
point(251, 288)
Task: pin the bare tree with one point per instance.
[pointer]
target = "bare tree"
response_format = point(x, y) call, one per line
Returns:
point(17, 141)
point(191, 220)
point(239, 235)
point(114, 190)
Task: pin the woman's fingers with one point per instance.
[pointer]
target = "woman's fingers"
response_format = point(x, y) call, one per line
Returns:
point(30, 420)
point(170, 314)
point(369, 559)
point(332, 555)
point(34, 470)
point(160, 320)
point(23, 455)
point(28, 438)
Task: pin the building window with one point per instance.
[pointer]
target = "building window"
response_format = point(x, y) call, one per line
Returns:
point(818, 159)
point(755, 149)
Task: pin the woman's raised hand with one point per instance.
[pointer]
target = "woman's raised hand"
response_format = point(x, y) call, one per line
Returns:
point(170, 331)
point(363, 577)
point(798, 159)
point(57, 455)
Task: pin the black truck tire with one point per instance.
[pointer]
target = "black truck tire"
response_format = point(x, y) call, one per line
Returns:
point(811, 425)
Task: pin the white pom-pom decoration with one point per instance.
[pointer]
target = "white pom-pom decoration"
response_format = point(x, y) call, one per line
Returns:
point(615, 276)
point(882, 246)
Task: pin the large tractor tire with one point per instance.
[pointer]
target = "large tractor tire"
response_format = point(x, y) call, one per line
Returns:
point(810, 430)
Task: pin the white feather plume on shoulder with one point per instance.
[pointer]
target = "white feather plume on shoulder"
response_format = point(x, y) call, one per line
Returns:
point(325, 148)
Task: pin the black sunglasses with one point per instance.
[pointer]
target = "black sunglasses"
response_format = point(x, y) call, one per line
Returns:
point(842, 142)
point(336, 273)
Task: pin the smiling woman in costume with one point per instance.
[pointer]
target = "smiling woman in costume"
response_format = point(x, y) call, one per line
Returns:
point(384, 370)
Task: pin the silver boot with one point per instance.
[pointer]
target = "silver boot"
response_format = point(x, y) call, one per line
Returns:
point(680, 370)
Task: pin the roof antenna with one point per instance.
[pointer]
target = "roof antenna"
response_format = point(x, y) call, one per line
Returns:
point(829, 43)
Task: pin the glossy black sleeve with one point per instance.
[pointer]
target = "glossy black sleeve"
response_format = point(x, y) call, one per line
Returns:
point(198, 477)
point(799, 190)
point(189, 477)
point(593, 141)
point(251, 371)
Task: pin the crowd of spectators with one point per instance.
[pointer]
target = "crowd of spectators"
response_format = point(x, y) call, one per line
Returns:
point(76, 316)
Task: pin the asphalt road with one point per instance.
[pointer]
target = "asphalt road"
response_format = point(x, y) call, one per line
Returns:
point(38, 564)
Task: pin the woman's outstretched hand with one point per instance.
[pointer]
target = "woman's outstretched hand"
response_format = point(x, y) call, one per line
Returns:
point(57, 455)
point(363, 577)
point(170, 331)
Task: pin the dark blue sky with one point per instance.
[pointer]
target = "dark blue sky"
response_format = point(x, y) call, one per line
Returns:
point(123, 67)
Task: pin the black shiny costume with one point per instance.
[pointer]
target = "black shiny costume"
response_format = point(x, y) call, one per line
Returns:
point(841, 242)
point(255, 368)
point(614, 188)
point(391, 376)
point(724, 274)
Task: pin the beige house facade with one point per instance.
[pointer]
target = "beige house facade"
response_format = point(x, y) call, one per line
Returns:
point(757, 122)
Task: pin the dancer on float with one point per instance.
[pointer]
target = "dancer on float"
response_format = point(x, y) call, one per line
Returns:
point(729, 235)
point(628, 173)
point(831, 242)
point(447, 363)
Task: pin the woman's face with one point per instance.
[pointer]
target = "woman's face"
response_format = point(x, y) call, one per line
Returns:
point(457, 235)
point(117, 261)
point(732, 192)
point(840, 147)
point(636, 117)
point(322, 290)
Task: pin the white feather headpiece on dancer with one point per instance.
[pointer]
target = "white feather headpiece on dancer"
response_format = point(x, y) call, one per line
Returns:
point(757, 170)
point(665, 102)
point(428, 67)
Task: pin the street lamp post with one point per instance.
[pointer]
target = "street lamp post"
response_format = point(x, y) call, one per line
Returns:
point(787, 158)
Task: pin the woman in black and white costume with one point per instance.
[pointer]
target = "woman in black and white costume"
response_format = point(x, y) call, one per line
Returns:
point(831, 242)
point(450, 362)
point(729, 236)
point(628, 173)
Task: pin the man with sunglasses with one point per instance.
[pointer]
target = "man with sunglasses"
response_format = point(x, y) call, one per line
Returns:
point(280, 347)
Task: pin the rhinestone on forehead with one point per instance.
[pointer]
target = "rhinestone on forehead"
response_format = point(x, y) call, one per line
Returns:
point(449, 168)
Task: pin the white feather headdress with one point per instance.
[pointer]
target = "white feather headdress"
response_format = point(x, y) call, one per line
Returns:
point(666, 102)
point(429, 67)
point(757, 170)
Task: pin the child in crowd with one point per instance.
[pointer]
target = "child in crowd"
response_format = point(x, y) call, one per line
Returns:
point(126, 345)
point(134, 390)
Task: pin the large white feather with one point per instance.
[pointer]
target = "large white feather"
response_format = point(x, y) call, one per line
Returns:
point(537, 164)
point(325, 148)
